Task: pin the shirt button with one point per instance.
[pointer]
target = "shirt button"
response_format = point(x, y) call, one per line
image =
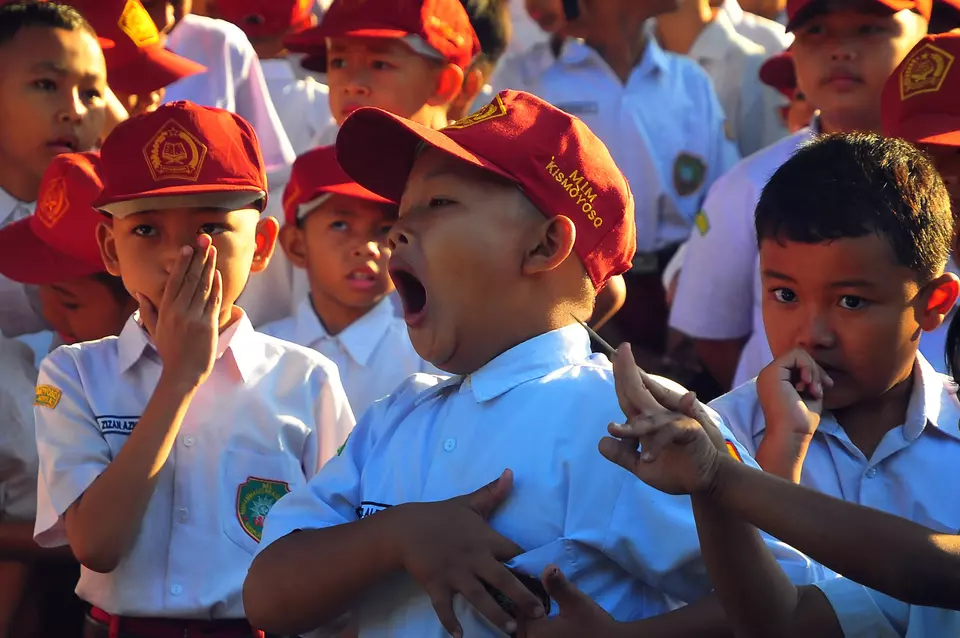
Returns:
point(183, 515)
point(450, 445)
point(176, 589)
point(871, 472)
point(188, 441)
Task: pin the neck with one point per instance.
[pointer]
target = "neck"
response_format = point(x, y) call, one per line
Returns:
point(621, 47)
point(333, 315)
point(678, 31)
point(850, 121)
point(867, 422)
point(431, 117)
point(270, 48)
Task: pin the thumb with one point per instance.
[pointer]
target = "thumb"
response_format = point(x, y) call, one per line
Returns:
point(148, 314)
point(485, 500)
point(561, 590)
point(623, 452)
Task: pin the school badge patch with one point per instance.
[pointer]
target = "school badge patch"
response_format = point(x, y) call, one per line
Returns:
point(925, 71)
point(48, 396)
point(255, 498)
point(490, 112)
point(137, 23)
point(701, 222)
point(689, 171)
point(54, 203)
point(174, 153)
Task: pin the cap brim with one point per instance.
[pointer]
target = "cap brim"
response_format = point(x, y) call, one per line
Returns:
point(313, 42)
point(200, 196)
point(778, 72)
point(26, 259)
point(151, 69)
point(818, 7)
point(377, 149)
point(941, 130)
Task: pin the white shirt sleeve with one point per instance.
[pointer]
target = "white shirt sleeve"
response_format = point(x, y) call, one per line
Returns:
point(759, 122)
point(724, 154)
point(19, 309)
point(856, 610)
point(18, 443)
point(335, 421)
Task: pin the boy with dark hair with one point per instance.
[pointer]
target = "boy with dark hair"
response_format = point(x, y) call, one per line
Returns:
point(510, 220)
point(491, 21)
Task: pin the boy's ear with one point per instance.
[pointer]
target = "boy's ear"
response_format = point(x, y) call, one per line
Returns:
point(108, 247)
point(291, 240)
point(267, 230)
point(941, 297)
point(449, 84)
point(472, 86)
point(552, 244)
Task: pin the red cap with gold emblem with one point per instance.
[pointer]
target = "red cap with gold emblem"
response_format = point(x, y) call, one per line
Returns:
point(434, 28)
point(138, 63)
point(182, 154)
point(799, 11)
point(267, 18)
point(317, 174)
point(921, 100)
point(561, 166)
point(58, 242)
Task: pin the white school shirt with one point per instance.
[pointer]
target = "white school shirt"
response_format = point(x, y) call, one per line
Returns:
point(302, 103)
point(769, 34)
point(268, 417)
point(539, 409)
point(18, 441)
point(912, 474)
point(525, 31)
point(664, 129)
point(733, 62)
point(19, 304)
point(933, 344)
point(719, 293)
point(373, 354)
point(233, 81)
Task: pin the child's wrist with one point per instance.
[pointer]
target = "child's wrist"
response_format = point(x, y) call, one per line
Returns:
point(176, 386)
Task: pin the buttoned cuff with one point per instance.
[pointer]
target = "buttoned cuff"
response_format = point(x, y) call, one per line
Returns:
point(856, 610)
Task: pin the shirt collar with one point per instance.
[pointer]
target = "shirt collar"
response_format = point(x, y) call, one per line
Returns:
point(533, 359)
point(733, 10)
point(359, 339)
point(574, 52)
point(715, 41)
point(238, 339)
point(12, 209)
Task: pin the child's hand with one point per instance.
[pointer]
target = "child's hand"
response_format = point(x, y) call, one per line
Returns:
point(186, 327)
point(791, 394)
point(448, 548)
point(579, 616)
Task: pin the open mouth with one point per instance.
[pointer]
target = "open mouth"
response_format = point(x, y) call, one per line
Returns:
point(362, 278)
point(412, 293)
point(64, 144)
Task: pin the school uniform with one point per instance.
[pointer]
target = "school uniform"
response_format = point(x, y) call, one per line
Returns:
point(303, 104)
point(631, 548)
point(719, 293)
point(911, 475)
point(769, 34)
point(19, 304)
point(18, 443)
point(733, 62)
point(933, 344)
point(264, 422)
point(373, 354)
point(525, 31)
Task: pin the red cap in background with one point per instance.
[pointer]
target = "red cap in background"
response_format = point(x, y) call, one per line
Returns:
point(266, 18)
point(58, 242)
point(200, 155)
point(779, 72)
point(798, 11)
point(443, 25)
point(921, 100)
point(559, 163)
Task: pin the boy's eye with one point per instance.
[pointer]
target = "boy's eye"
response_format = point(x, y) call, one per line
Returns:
point(212, 229)
point(339, 226)
point(71, 306)
point(439, 201)
point(336, 63)
point(92, 94)
point(143, 230)
point(814, 29)
point(871, 28)
point(45, 85)
point(381, 65)
point(784, 295)
point(852, 302)
point(385, 229)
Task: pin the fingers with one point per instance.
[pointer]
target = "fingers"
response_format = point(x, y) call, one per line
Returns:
point(633, 395)
point(623, 452)
point(442, 600)
point(561, 590)
point(201, 294)
point(175, 280)
point(806, 374)
point(215, 298)
point(656, 432)
point(485, 500)
point(148, 314)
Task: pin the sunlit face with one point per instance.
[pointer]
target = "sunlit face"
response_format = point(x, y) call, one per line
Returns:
point(142, 248)
point(380, 72)
point(84, 309)
point(52, 83)
point(457, 254)
point(844, 57)
point(841, 301)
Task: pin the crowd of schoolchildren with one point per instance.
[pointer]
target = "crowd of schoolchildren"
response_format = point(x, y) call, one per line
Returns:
point(299, 306)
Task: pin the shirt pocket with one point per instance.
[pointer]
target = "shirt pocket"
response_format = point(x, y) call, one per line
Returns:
point(252, 483)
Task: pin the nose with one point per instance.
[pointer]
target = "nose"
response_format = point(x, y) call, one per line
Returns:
point(842, 49)
point(73, 108)
point(358, 84)
point(398, 236)
point(817, 332)
point(369, 249)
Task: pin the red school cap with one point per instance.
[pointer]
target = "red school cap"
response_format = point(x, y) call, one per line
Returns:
point(266, 18)
point(58, 242)
point(799, 11)
point(182, 154)
point(921, 99)
point(779, 72)
point(138, 63)
point(558, 163)
point(442, 25)
point(317, 173)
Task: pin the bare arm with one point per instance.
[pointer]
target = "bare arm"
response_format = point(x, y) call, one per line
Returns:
point(720, 357)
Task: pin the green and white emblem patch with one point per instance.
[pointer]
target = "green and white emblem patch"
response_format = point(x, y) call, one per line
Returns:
point(255, 498)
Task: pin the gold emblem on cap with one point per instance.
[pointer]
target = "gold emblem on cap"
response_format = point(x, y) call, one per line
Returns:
point(490, 112)
point(137, 23)
point(925, 71)
point(174, 153)
point(53, 204)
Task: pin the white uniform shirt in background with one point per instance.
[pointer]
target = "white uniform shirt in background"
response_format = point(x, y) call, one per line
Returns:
point(18, 441)
point(302, 103)
point(526, 32)
point(373, 354)
point(664, 128)
point(718, 293)
point(769, 34)
point(539, 408)
point(268, 417)
point(733, 62)
point(19, 304)
point(912, 474)
point(933, 344)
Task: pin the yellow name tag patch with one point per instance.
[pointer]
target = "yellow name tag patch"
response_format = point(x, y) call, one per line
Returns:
point(732, 451)
point(48, 396)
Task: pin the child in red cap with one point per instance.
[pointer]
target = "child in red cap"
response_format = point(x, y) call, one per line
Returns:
point(163, 449)
point(779, 73)
point(510, 221)
point(336, 231)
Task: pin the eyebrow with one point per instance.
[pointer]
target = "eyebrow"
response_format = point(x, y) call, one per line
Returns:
point(842, 283)
point(773, 274)
point(46, 66)
point(63, 291)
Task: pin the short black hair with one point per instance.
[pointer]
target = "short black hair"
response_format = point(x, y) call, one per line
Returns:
point(491, 21)
point(853, 184)
point(21, 15)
